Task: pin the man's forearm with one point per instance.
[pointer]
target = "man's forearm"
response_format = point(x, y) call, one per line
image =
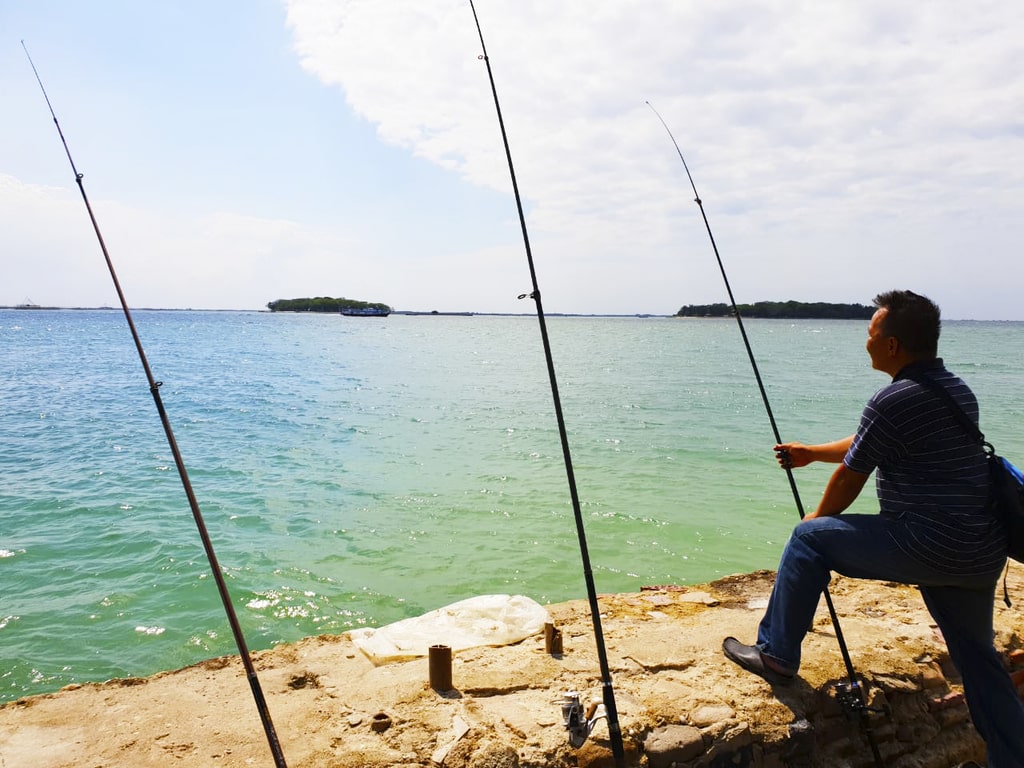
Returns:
point(843, 488)
point(832, 453)
point(794, 455)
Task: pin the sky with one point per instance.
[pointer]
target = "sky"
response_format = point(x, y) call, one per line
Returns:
point(243, 151)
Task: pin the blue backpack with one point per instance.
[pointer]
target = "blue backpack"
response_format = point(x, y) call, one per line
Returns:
point(1008, 500)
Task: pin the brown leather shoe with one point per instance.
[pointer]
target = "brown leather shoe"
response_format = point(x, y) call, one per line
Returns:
point(749, 657)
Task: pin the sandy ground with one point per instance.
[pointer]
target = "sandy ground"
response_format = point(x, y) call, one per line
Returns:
point(331, 707)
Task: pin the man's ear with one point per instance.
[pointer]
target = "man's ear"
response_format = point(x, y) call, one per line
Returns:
point(894, 346)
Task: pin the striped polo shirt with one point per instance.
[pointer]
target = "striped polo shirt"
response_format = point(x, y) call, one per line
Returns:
point(930, 472)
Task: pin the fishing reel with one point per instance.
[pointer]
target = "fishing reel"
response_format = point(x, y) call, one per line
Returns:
point(577, 722)
point(852, 697)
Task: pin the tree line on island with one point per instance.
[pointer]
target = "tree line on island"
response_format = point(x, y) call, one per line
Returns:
point(327, 304)
point(783, 310)
point(786, 310)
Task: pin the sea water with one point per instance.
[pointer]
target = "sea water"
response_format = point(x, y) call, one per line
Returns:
point(355, 471)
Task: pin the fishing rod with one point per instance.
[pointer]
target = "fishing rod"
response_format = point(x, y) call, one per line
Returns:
point(614, 730)
point(853, 696)
point(154, 388)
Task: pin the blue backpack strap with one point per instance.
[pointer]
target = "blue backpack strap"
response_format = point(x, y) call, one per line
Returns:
point(973, 430)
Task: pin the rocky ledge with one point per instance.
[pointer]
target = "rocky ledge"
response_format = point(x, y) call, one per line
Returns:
point(679, 701)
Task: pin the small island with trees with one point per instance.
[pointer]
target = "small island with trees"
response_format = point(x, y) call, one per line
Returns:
point(341, 306)
point(783, 310)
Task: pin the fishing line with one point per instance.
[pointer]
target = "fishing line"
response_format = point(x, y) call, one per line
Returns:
point(154, 388)
point(608, 693)
point(858, 701)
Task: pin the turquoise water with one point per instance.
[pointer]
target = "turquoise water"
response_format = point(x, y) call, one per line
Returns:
point(353, 472)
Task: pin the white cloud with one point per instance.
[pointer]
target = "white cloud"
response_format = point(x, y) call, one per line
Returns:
point(812, 130)
point(840, 149)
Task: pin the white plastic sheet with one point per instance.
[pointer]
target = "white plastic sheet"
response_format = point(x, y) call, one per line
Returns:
point(482, 620)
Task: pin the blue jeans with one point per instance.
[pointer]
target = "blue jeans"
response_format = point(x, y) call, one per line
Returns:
point(867, 547)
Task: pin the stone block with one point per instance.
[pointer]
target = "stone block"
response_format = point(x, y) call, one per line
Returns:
point(493, 755)
point(897, 684)
point(932, 676)
point(907, 708)
point(597, 754)
point(947, 718)
point(709, 713)
point(919, 731)
point(734, 741)
point(673, 744)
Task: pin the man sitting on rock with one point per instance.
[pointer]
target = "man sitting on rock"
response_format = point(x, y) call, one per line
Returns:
point(935, 529)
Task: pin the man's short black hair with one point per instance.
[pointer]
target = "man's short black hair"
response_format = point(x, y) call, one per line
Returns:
point(913, 319)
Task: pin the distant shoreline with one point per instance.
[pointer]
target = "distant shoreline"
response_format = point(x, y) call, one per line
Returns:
point(438, 313)
point(410, 312)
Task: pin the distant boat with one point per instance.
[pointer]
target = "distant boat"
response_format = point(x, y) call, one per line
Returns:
point(365, 311)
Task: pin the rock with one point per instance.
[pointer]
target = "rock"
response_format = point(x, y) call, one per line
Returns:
point(673, 744)
point(494, 756)
point(708, 714)
point(459, 729)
